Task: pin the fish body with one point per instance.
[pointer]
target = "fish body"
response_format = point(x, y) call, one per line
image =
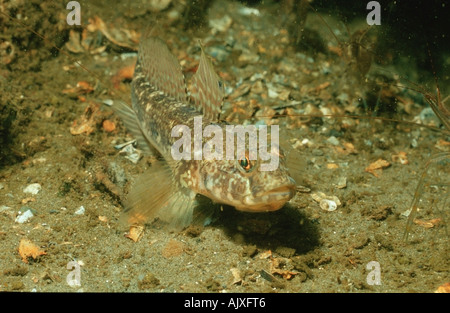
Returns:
point(160, 110)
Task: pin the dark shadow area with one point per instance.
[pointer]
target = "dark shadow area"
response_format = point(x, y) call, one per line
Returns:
point(7, 117)
point(409, 28)
point(285, 228)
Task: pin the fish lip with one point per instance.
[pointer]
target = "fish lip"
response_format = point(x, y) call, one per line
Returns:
point(288, 189)
point(284, 193)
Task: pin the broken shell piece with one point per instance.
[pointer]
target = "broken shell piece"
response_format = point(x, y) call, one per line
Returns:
point(103, 218)
point(33, 189)
point(401, 158)
point(327, 203)
point(135, 233)
point(29, 249)
point(376, 167)
point(341, 182)
point(7, 52)
point(80, 210)
point(73, 45)
point(428, 224)
point(120, 37)
point(24, 217)
point(131, 153)
point(120, 146)
point(237, 279)
point(158, 5)
point(220, 25)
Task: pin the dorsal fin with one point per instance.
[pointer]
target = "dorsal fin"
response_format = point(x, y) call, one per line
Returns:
point(162, 68)
point(207, 89)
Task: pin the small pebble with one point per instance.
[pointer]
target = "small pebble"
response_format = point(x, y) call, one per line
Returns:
point(317, 152)
point(33, 189)
point(428, 117)
point(24, 217)
point(341, 182)
point(128, 55)
point(220, 25)
point(248, 11)
point(333, 140)
point(4, 208)
point(80, 210)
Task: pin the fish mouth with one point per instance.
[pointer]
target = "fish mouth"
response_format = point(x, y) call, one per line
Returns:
point(268, 201)
point(287, 191)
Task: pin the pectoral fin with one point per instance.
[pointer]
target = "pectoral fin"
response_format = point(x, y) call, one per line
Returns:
point(155, 194)
point(128, 117)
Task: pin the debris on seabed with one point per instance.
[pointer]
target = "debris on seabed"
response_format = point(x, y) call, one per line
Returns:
point(444, 288)
point(237, 279)
point(248, 11)
point(327, 203)
point(131, 153)
point(81, 88)
point(443, 145)
point(33, 189)
point(24, 217)
point(428, 224)
point(220, 25)
point(267, 276)
point(87, 122)
point(4, 208)
point(266, 254)
point(123, 38)
point(376, 167)
point(427, 117)
point(277, 267)
point(341, 182)
point(108, 126)
point(125, 73)
point(122, 145)
point(28, 249)
point(80, 210)
point(135, 233)
point(333, 140)
point(401, 158)
point(103, 218)
point(173, 248)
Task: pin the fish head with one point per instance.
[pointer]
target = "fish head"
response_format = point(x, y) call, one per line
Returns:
point(247, 184)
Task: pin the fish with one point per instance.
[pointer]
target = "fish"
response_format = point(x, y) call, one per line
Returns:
point(170, 188)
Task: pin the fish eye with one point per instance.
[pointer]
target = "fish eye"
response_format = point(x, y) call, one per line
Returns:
point(245, 164)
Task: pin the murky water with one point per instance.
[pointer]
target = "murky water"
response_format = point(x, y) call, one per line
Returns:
point(56, 132)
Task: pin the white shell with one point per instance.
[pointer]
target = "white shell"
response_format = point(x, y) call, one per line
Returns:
point(328, 205)
point(80, 210)
point(33, 189)
point(24, 217)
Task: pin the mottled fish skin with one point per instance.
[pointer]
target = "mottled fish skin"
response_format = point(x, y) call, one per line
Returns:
point(168, 189)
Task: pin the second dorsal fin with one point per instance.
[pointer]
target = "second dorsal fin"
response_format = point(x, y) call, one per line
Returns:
point(207, 89)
